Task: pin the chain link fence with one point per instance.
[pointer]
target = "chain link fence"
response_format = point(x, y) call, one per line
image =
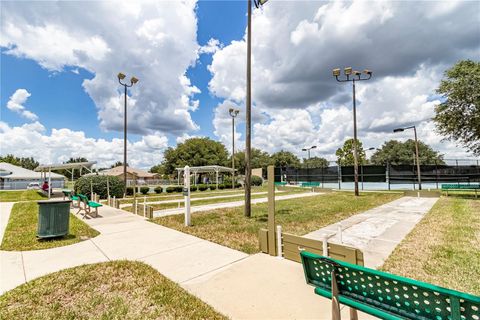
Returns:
point(383, 177)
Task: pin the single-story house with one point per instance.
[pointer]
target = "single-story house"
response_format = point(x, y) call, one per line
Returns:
point(137, 175)
point(14, 177)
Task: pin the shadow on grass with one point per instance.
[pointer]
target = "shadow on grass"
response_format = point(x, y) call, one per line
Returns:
point(59, 238)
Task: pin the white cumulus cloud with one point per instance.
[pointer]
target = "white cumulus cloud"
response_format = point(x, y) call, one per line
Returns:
point(153, 41)
point(61, 144)
point(295, 45)
point(16, 104)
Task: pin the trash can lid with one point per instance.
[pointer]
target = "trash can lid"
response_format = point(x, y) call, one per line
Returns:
point(53, 201)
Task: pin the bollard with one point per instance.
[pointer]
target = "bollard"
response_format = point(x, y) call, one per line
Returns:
point(186, 195)
point(144, 206)
point(339, 232)
point(279, 241)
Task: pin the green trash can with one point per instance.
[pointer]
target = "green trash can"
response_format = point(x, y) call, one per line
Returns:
point(53, 218)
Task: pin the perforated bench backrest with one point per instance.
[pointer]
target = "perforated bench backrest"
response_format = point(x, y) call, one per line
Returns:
point(401, 296)
point(83, 198)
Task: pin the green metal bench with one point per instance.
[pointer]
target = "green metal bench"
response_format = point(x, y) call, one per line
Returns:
point(460, 187)
point(88, 206)
point(310, 184)
point(385, 295)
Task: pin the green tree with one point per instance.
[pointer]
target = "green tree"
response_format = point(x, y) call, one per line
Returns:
point(195, 152)
point(285, 159)
point(159, 168)
point(315, 162)
point(458, 117)
point(396, 152)
point(117, 164)
point(345, 154)
point(259, 159)
point(27, 163)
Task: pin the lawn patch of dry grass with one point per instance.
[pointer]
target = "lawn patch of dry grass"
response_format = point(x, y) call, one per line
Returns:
point(21, 195)
point(21, 231)
point(110, 290)
point(229, 227)
point(444, 248)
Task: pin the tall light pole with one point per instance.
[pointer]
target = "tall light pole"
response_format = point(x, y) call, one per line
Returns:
point(308, 149)
point(248, 109)
point(416, 153)
point(133, 80)
point(356, 76)
point(233, 114)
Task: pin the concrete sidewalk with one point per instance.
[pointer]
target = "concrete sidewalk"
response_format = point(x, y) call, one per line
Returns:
point(379, 230)
point(232, 204)
point(236, 284)
point(179, 256)
point(262, 287)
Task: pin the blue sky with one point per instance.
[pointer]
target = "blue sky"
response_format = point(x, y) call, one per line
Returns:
point(222, 20)
point(59, 60)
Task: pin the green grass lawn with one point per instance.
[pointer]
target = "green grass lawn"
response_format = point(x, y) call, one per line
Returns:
point(230, 228)
point(21, 230)
point(109, 290)
point(21, 195)
point(169, 205)
point(443, 248)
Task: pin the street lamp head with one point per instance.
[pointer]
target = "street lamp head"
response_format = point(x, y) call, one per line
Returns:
point(372, 148)
point(233, 112)
point(304, 149)
point(336, 72)
point(347, 71)
point(366, 71)
point(399, 130)
point(121, 76)
point(133, 80)
point(313, 147)
point(259, 3)
point(357, 73)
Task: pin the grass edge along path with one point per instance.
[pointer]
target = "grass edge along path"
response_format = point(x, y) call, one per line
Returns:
point(107, 290)
point(21, 195)
point(229, 227)
point(443, 248)
point(21, 231)
point(203, 201)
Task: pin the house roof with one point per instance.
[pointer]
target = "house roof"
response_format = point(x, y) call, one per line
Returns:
point(117, 171)
point(10, 171)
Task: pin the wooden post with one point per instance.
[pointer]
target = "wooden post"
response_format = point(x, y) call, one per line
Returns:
point(271, 210)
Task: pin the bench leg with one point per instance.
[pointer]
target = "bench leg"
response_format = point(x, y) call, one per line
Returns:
point(335, 304)
point(353, 314)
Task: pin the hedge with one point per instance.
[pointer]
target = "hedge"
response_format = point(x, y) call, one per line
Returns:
point(99, 185)
point(158, 189)
point(144, 190)
point(202, 187)
point(257, 181)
